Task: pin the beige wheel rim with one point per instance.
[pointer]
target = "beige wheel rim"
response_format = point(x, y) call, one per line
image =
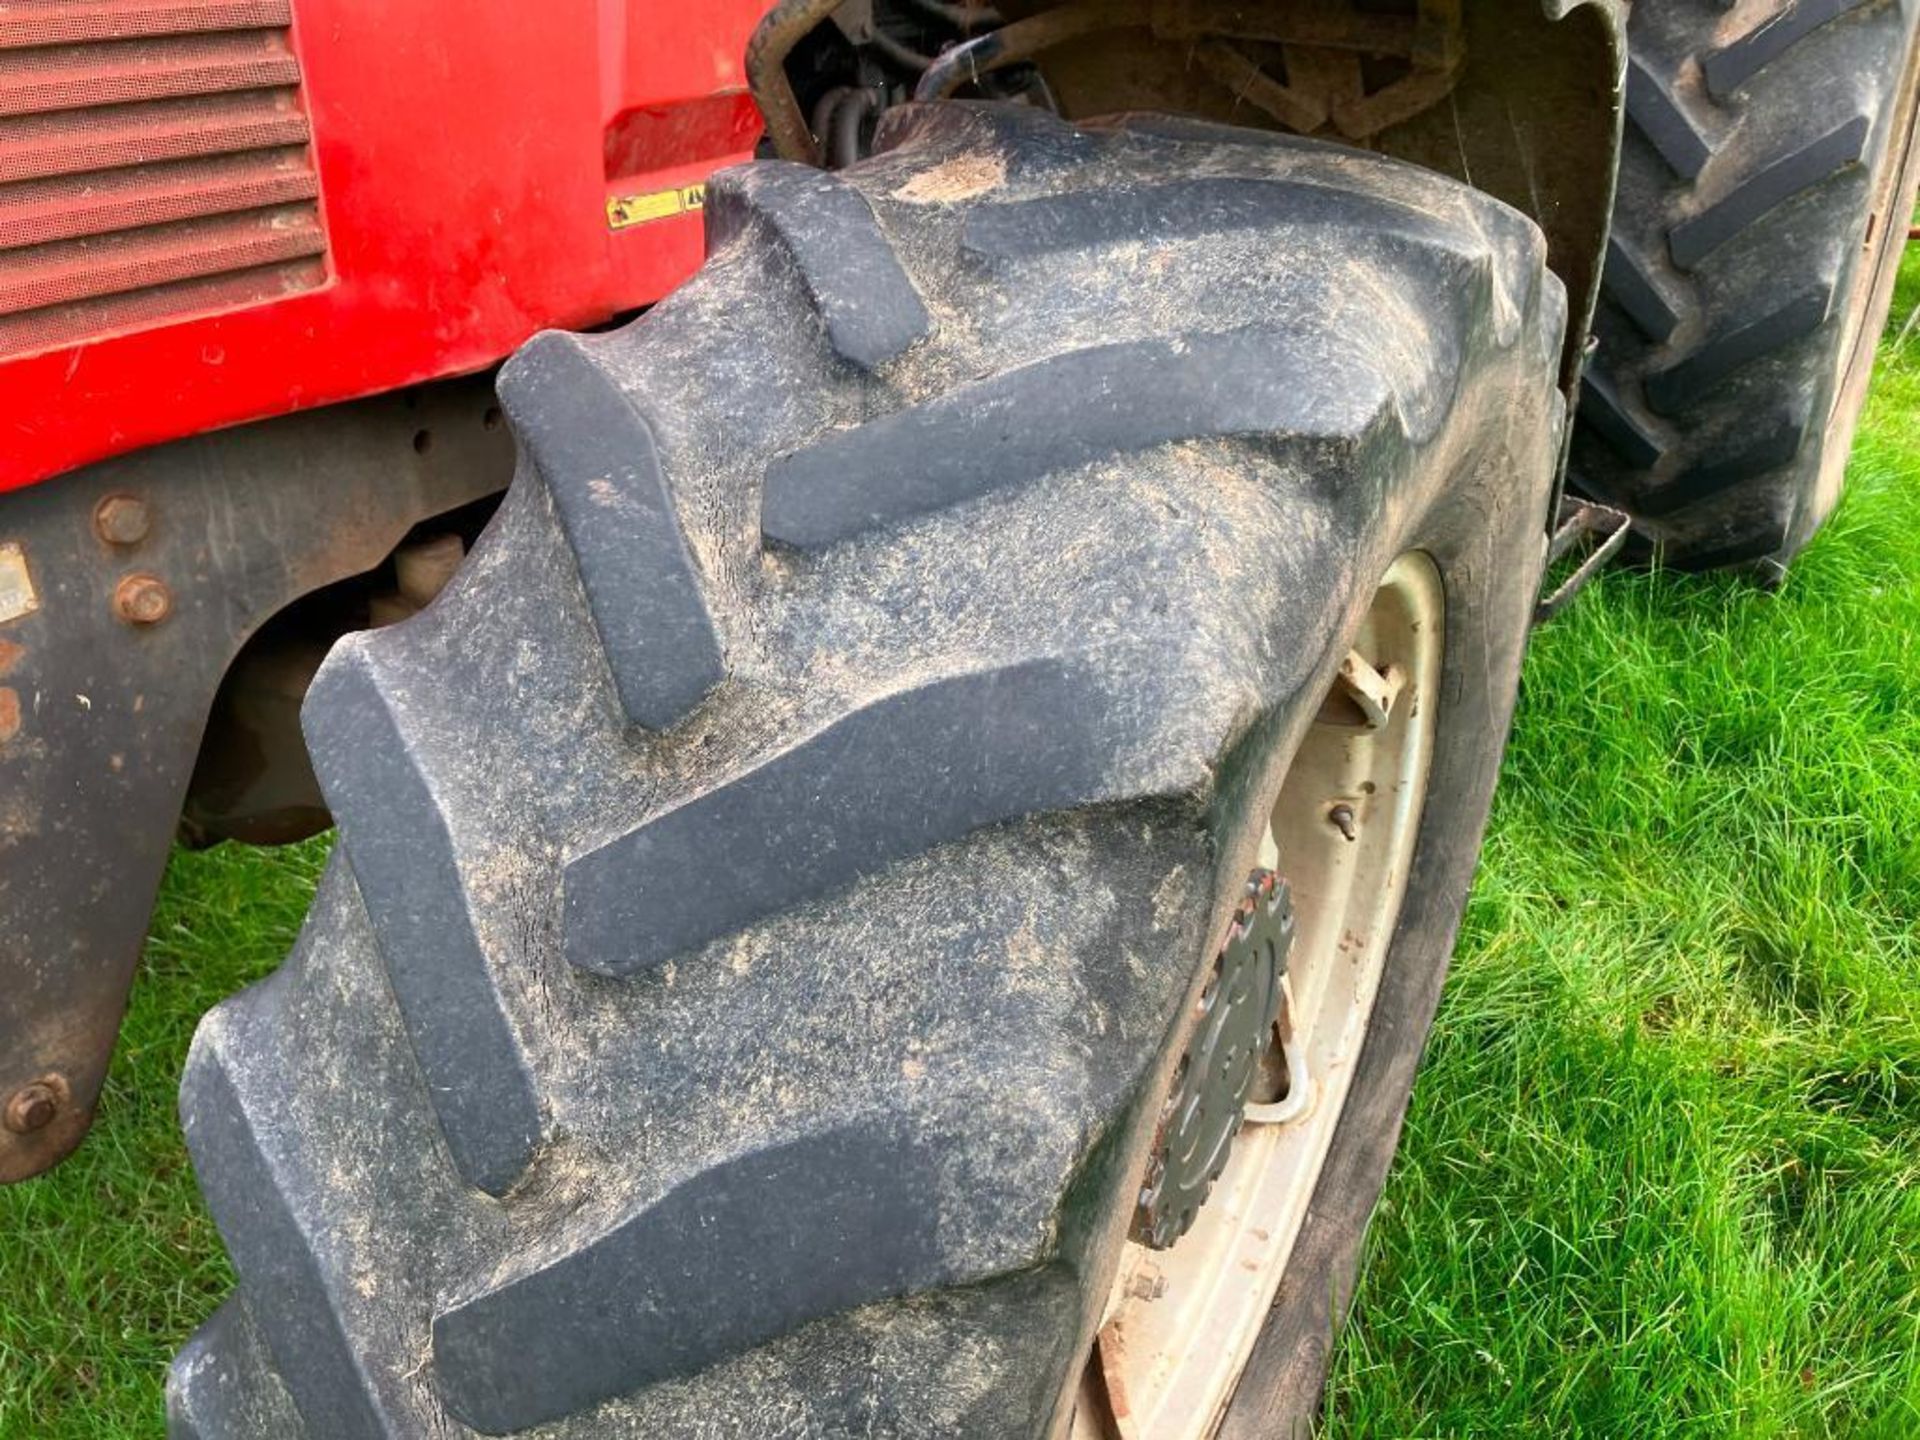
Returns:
point(1872, 296)
point(1180, 1323)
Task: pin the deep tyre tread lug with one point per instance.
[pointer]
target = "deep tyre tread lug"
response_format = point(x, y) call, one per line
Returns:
point(1188, 208)
point(1766, 189)
point(610, 1316)
point(1728, 69)
point(1602, 412)
point(1179, 210)
point(222, 1385)
point(889, 780)
point(602, 466)
point(1003, 432)
point(283, 1273)
point(1717, 474)
point(1630, 287)
point(404, 861)
point(866, 300)
point(1756, 548)
point(1657, 114)
point(1671, 391)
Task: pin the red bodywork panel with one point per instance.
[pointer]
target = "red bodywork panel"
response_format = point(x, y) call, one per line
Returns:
point(480, 169)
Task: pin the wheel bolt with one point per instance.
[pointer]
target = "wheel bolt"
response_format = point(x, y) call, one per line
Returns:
point(32, 1107)
point(142, 600)
point(122, 520)
point(1341, 818)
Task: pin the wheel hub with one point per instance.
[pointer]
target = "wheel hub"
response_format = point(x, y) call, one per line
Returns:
point(1235, 1016)
point(1273, 1041)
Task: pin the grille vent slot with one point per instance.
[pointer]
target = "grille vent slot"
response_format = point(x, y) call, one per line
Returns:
point(154, 165)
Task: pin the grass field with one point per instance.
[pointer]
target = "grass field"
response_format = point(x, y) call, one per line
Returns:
point(1662, 1171)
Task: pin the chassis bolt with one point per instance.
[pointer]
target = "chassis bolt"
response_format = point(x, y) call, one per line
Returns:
point(122, 520)
point(32, 1107)
point(142, 600)
point(1341, 818)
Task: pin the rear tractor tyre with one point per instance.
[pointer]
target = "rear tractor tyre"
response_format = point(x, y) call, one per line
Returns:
point(1766, 184)
point(808, 922)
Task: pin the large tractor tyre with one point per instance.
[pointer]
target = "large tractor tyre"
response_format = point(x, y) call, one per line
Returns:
point(1765, 188)
point(812, 893)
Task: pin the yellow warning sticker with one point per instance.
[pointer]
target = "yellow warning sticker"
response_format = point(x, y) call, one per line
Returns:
point(626, 210)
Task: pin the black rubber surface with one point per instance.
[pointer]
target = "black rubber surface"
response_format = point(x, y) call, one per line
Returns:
point(1631, 288)
point(302, 1329)
point(223, 1383)
point(777, 871)
point(598, 458)
point(889, 780)
point(1659, 115)
point(867, 303)
point(376, 780)
point(1003, 432)
point(1754, 153)
point(664, 1293)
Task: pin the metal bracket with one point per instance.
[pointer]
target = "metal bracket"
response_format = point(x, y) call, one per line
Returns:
point(1582, 522)
point(143, 575)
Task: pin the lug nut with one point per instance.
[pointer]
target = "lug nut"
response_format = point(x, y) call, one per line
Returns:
point(32, 1107)
point(122, 520)
point(142, 600)
point(1341, 818)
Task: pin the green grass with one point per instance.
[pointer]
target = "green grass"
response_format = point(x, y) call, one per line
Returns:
point(108, 1263)
point(1662, 1171)
point(1661, 1175)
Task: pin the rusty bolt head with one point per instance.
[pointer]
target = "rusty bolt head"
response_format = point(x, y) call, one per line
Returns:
point(1341, 818)
point(122, 520)
point(33, 1107)
point(142, 600)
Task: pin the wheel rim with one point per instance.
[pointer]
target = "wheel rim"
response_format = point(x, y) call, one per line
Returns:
point(1872, 297)
point(1181, 1322)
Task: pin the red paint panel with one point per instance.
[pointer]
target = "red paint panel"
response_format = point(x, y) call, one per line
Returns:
point(656, 136)
point(462, 152)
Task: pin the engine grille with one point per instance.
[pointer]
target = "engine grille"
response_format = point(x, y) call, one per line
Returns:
point(153, 165)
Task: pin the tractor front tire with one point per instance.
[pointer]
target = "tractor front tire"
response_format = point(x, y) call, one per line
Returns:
point(778, 878)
